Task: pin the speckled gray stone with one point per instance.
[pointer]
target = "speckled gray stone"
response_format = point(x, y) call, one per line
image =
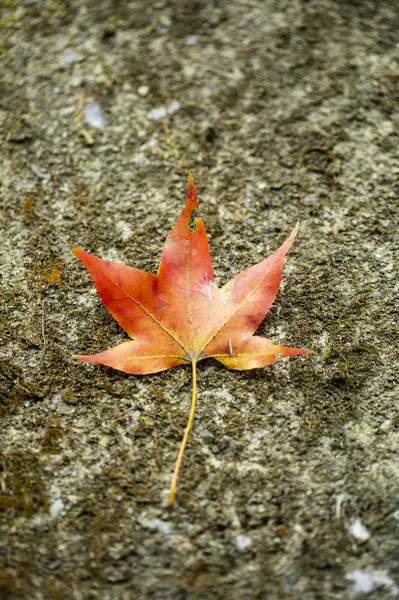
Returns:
point(288, 111)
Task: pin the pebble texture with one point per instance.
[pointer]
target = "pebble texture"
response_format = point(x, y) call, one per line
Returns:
point(286, 111)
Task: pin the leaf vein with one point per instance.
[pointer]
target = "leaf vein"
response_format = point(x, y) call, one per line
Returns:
point(144, 309)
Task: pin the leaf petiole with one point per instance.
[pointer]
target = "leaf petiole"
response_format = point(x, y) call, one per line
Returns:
point(172, 491)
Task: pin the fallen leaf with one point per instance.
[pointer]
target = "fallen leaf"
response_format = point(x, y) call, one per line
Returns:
point(180, 316)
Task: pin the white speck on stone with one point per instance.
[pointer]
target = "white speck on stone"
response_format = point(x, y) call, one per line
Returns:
point(139, 158)
point(38, 172)
point(364, 582)
point(191, 40)
point(56, 399)
point(161, 526)
point(157, 113)
point(143, 90)
point(323, 340)
point(396, 515)
point(242, 542)
point(162, 111)
point(156, 525)
point(205, 434)
point(124, 230)
point(223, 394)
point(55, 508)
point(133, 422)
point(70, 57)
point(116, 551)
point(92, 115)
point(189, 71)
point(359, 531)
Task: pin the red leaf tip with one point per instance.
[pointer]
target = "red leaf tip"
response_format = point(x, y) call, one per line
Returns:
point(191, 191)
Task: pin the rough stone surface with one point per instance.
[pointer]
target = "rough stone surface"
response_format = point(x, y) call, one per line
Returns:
point(285, 110)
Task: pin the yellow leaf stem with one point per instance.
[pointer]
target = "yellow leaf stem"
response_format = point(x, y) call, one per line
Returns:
point(172, 491)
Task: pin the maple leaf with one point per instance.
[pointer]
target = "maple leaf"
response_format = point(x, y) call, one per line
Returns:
point(180, 316)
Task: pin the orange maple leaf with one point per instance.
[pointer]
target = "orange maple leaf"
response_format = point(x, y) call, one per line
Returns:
point(180, 316)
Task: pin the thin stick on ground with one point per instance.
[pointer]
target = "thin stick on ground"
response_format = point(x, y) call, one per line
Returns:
point(43, 331)
point(172, 491)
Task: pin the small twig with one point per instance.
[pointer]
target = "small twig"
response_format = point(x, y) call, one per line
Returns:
point(65, 242)
point(338, 507)
point(43, 333)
